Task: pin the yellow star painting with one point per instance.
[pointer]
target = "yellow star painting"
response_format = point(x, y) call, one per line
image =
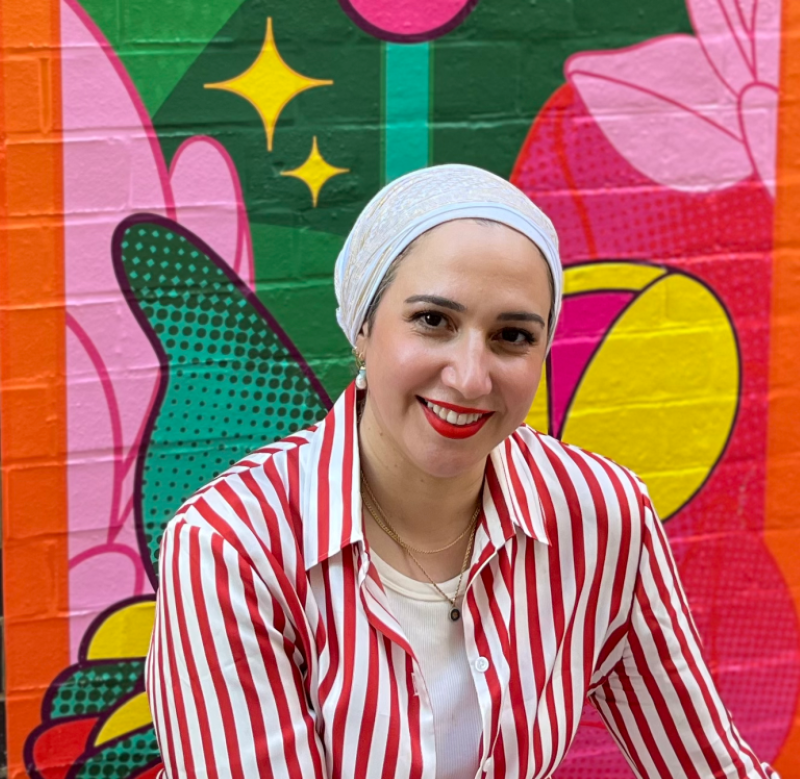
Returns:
point(269, 84)
point(315, 171)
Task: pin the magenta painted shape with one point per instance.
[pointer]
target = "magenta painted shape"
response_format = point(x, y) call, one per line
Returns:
point(408, 20)
point(604, 208)
point(583, 323)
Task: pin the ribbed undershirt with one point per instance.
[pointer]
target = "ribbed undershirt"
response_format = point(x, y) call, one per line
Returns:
point(438, 645)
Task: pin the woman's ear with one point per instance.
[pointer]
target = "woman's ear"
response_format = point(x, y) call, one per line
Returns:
point(361, 341)
point(359, 350)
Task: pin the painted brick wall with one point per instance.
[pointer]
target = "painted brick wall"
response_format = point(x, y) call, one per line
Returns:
point(143, 354)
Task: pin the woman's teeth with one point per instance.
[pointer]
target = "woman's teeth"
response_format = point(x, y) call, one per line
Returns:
point(451, 416)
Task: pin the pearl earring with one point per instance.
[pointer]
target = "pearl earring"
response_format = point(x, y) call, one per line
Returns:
point(361, 378)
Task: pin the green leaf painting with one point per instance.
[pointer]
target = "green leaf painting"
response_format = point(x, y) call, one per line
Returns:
point(231, 379)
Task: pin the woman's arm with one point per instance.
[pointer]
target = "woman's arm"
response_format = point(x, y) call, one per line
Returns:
point(659, 701)
point(225, 669)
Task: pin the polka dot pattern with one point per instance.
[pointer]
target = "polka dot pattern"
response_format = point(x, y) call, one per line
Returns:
point(95, 688)
point(232, 382)
point(123, 758)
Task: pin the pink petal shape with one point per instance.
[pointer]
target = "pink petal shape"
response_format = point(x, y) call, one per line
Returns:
point(725, 30)
point(664, 110)
point(759, 112)
point(112, 167)
point(768, 41)
point(672, 70)
point(91, 444)
point(408, 20)
point(209, 201)
point(118, 569)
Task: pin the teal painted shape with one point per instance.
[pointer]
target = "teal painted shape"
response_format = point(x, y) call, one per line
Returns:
point(95, 687)
point(232, 380)
point(120, 758)
point(406, 108)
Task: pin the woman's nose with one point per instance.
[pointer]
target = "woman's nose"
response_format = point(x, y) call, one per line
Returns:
point(468, 371)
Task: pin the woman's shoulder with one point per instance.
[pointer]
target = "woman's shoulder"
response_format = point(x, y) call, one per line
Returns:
point(589, 476)
point(255, 503)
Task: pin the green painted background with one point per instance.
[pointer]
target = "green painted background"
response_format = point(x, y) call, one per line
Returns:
point(469, 96)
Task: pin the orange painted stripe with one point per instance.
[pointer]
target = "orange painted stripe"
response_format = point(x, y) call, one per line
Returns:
point(32, 347)
point(783, 458)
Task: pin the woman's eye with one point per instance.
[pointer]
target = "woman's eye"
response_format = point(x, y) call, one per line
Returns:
point(514, 335)
point(431, 319)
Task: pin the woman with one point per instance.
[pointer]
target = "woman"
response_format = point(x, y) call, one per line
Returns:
point(420, 586)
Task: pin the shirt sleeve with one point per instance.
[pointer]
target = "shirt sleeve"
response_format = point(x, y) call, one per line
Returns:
point(659, 702)
point(226, 671)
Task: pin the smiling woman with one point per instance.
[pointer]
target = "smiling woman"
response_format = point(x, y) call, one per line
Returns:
point(421, 585)
point(463, 326)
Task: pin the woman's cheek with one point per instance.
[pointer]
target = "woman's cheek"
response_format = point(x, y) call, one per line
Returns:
point(416, 359)
point(521, 385)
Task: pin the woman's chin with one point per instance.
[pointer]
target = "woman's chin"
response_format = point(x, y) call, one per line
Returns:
point(446, 459)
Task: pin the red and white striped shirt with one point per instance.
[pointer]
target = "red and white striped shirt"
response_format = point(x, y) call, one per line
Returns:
point(275, 652)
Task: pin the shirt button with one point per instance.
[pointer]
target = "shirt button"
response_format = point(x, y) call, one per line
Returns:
point(482, 665)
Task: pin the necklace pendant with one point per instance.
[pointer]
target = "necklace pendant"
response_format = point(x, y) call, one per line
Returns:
point(455, 614)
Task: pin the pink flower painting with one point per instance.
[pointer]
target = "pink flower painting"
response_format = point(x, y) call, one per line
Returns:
point(692, 113)
point(114, 167)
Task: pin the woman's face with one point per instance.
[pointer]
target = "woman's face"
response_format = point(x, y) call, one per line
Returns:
point(461, 332)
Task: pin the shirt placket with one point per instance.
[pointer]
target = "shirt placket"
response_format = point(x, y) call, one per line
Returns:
point(490, 670)
point(379, 614)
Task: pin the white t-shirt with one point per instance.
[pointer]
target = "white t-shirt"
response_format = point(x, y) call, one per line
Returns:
point(438, 644)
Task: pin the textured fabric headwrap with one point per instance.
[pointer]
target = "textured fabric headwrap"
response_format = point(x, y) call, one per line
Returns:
point(413, 204)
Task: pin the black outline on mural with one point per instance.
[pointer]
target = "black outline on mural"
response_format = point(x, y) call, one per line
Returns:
point(417, 37)
point(163, 360)
point(669, 270)
point(83, 662)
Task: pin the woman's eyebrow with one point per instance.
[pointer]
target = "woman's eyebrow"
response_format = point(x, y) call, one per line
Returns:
point(521, 316)
point(436, 301)
point(507, 316)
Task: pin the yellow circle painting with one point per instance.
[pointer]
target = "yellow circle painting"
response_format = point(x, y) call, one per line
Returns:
point(645, 371)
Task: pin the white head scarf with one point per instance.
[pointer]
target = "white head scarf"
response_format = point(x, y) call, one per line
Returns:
point(413, 204)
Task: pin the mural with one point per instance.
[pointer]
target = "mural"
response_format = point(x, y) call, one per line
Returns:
point(205, 191)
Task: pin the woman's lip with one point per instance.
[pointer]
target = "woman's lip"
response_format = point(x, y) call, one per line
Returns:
point(454, 407)
point(449, 430)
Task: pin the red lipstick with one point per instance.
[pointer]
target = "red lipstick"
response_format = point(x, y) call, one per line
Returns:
point(449, 430)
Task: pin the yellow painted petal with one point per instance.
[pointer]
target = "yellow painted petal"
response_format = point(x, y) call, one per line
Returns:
point(661, 393)
point(125, 633)
point(131, 715)
point(609, 276)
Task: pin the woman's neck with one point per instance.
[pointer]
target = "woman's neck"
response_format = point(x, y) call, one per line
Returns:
point(426, 511)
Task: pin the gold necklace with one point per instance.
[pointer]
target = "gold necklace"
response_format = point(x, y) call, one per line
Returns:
point(380, 519)
point(392, 533)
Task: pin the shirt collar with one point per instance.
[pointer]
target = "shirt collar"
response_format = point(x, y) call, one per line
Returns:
point(330, 489)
